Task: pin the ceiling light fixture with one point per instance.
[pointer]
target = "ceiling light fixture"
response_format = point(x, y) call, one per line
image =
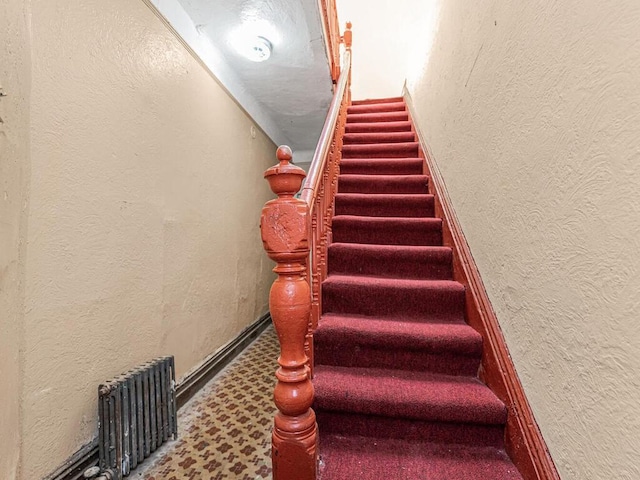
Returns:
point(254, 39)
point(256, 49)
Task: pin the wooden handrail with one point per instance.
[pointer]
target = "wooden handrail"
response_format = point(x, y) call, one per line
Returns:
point(319, 190)
point(296, 233)
point(310, 187)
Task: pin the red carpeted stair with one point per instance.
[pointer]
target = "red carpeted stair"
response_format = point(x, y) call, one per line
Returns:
point(397, 393)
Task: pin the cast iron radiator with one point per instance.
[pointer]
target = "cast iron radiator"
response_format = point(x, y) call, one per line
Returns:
point(136, 414)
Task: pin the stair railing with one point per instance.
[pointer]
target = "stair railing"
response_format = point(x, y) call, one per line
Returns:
point(319, 191)
point(296, 233)
point(332, 36)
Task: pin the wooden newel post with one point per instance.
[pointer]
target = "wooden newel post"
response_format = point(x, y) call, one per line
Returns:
point(347, 36)
point(285, 228)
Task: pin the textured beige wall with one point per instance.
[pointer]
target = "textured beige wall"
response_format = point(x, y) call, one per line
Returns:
point(143, 238)
point(532, 110)
point(14, 178)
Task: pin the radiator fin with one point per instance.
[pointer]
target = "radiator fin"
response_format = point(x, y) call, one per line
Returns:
point(136, 415)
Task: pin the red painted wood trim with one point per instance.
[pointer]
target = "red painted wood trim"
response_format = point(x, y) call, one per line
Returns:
point(524, 441)
point(332, 36)
point(284, 227)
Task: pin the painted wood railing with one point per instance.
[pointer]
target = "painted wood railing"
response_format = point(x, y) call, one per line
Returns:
point(296, 233)
point(332, 36)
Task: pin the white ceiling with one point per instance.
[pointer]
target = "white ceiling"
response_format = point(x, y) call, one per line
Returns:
point(289, 94)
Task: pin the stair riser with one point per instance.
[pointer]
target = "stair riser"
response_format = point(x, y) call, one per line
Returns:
point(357, 232)
point(374, 184)
point(420, 304)
point(384, 206)
point(378, 108)
point(330, 351)
point(380, 137)
point(381, 127)
point(376, 101)
point(409, 430)
point(383, 150)
point(377, 117)
point(389, 265)
point(378, 167)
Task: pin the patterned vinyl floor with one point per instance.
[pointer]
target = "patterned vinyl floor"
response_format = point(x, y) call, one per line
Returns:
point(225, 430)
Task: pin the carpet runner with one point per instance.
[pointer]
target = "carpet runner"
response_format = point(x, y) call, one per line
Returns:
point(397, 393)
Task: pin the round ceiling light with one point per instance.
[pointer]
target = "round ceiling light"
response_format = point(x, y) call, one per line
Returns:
point(256, 49)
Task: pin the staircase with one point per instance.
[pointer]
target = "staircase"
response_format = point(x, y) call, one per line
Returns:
point(397, 393)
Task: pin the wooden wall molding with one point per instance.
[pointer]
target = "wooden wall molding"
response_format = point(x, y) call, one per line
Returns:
point(87, 456)
point(524, 442)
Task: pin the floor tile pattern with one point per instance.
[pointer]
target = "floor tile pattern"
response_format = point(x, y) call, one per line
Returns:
point(225, 430)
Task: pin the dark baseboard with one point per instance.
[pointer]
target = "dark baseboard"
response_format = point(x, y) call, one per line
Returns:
point(193, 382)
point(524, 442)
point(74, 467)
point(76, 464)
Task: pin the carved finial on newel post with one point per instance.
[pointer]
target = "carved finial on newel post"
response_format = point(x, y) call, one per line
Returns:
point(285, 234)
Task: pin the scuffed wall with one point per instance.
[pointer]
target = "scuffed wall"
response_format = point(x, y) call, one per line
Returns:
point(14, 200)
point(143, 227)
point(532, 111)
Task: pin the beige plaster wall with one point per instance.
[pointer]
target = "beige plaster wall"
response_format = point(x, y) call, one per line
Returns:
point(143, 226)
point(14, 180)
point(532, 111)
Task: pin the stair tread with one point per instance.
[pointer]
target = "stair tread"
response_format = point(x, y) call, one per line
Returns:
point(391, 261)
point(367, 458)
point(383, 196)
point(377, 117)
point(372, 101)
point(350, 340)
point(381, 145)
point(375, 230)
point(394, 106)
point(418, 299)
point(375, 160)
point(412, 205)
point(433, 252)
point(377, 137)
point(382, 178)
point(397, 333)
point(376, 127)
point(381, 166)
point(376, 184)
point(407, 394)
point(394, 283)
point(379, 148)
point(390, 220)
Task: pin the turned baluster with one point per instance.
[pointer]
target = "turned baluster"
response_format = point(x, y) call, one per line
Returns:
point(285, 228)
point(333, 176)
point(316, 306)
point(315, 292)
